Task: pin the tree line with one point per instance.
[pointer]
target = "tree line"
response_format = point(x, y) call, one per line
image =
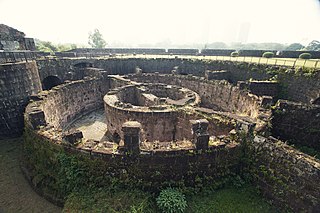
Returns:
point(96, 40)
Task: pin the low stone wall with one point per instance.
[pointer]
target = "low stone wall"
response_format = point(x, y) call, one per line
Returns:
point(261, 88)
point(20, 56)
point(258, 53)
point(211, 52)
point(217, 75)
point(17, 83)
point(300, 87)
point(296, 86)
point(218, 95)
point(217, 52)
point(284, 175)
point(183, 51)
point(64, 103)
point(238, 71)
point(296, 122)
point(106, 51)
point(155, 125)
point(47, 164)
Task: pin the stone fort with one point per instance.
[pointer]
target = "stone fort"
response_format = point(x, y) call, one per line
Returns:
point(151, 120)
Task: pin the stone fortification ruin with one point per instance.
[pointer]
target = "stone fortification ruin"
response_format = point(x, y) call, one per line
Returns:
point(153, 122)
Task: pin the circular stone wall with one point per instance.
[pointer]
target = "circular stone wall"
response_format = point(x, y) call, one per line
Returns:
point(17, 83)
point(155, 106)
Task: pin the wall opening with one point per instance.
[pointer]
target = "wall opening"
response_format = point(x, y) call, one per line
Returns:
point(316, 101)
point(83, 65)
point(50, 81)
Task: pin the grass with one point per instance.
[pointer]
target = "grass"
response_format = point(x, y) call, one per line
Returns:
point(245, 199)
point(17, 196)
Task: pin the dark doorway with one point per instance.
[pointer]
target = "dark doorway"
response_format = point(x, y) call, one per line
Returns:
point(316, 101)
point(50, 81)
point(83, 65)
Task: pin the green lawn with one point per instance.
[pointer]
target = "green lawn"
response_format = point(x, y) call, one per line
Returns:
point(233, 200)
point(245, 199)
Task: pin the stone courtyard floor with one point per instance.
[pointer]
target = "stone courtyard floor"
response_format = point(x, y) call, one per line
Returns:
point(92, 125)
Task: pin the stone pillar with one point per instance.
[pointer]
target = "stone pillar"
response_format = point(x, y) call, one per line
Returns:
point(131, 132)
point(200, 133)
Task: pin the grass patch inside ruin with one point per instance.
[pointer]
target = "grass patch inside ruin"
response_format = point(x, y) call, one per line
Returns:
point(230, 199)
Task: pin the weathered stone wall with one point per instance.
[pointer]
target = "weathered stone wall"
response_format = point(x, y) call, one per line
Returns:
point(238, 71)
point(296, 122)
point(211, 52)
point(295, 54)
point(286, 176)
point(150, 171)
point(217, 75)
point(300, 87)
point(183, 51)
point(65, 102)
point(156, 125)
point(153, 169)
point(258, 53)
point(292, 86)
point(217, 52)
point(59, 68)
point(106, 51)
point(218, 95)
point(260, 88)
point(17, 83)
point(19, 56)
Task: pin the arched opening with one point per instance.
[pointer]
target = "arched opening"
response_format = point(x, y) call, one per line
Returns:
point(316, 101)
point(116, 137)
point(50, 81)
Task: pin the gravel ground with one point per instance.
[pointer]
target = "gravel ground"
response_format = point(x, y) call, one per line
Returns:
point(16, 195)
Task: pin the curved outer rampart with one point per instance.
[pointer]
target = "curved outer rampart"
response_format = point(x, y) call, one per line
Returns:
point(150, 169)
point(17, 83)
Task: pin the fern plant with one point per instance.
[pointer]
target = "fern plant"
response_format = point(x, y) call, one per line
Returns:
point(171, 201)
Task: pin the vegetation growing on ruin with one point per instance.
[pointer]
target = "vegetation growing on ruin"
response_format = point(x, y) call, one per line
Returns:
point(230, 199)
point(72, 179)
point(268, 55)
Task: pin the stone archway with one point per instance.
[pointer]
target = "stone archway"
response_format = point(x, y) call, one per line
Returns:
point(50, 81)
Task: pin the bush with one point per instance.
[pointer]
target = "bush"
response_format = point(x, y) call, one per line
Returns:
point(171, 201)
point(234, 54)
point(305, 56)
point(268, 54)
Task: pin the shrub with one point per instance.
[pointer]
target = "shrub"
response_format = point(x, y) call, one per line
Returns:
point(235, 54)
point(171, 201)
point(268, 54)
point(305, 56)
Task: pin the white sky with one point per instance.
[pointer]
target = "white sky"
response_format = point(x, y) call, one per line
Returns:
point(176, 21)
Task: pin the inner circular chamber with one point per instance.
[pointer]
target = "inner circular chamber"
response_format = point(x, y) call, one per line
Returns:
point(156, 106)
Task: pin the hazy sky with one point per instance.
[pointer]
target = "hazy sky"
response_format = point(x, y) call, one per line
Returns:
point(175, 21)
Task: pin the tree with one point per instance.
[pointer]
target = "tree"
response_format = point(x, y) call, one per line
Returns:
point(96, 39)
point(313, 46)
point(295, 46)
point(47, 46)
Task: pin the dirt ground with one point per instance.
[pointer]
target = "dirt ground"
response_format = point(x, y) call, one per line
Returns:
point(16, 195)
